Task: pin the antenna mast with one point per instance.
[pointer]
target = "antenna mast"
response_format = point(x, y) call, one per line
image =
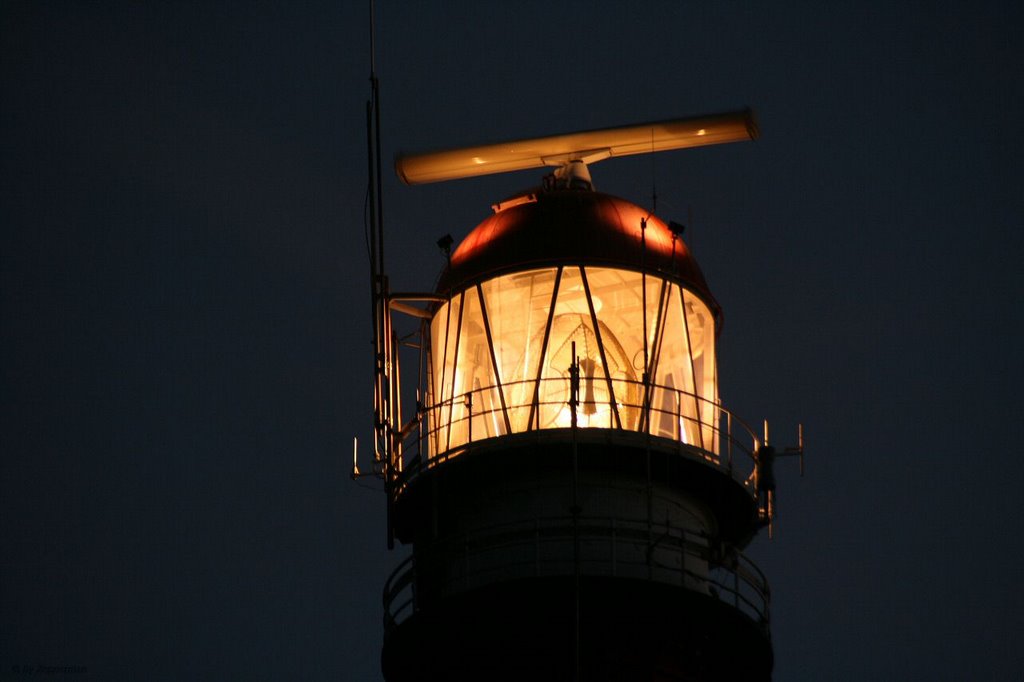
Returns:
point(382, 422)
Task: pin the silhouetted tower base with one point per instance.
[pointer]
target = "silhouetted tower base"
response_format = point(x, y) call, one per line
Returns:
point(658, 598)
point(524, 630)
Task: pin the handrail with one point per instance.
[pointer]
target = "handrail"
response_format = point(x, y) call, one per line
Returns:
point(482, 556)
point(729, 433)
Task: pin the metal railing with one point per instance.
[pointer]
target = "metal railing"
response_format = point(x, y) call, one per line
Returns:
point(606, 546)
point(695, 424)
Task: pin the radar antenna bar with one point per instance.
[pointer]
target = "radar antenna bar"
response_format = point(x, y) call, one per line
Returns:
point(588, 146)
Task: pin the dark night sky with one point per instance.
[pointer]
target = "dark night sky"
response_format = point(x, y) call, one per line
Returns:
point(185, 318)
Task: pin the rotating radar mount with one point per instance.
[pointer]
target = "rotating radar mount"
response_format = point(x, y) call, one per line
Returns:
point(553, 447)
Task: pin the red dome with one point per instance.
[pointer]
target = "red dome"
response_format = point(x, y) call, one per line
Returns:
point(572, 227)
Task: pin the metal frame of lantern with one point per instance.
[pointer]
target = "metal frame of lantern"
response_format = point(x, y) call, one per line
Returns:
point(630, 402)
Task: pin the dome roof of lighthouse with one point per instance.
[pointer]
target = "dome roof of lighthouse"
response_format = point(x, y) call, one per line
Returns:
point(572, 227)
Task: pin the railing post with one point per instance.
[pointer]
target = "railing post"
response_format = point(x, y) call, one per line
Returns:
point(728, 421)
point(469, 407)
point(419, 424)
point(700, 420)
point(613, 409)
point(679, 415)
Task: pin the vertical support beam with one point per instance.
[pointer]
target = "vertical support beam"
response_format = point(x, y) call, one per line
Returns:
point(693, 369)
point(455, 369)
point(494, 359)
point(534, 406)
point(600, 347)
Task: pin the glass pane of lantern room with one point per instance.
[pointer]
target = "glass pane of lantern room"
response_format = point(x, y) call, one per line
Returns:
point(443, 334)
point(517, 310)
point(570, 324)
point(617, 299)
point(701, 328)
point(674, 403)
point(476, 410)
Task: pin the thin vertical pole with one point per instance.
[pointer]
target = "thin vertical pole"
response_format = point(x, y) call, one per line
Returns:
point(574, 393)
point(643, 302)
point(494, 358)
point(679, 414)
point(728, 422)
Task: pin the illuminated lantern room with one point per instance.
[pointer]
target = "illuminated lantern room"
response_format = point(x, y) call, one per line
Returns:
point(562, 271)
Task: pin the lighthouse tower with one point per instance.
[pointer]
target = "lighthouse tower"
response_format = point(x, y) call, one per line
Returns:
point(575, 495)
